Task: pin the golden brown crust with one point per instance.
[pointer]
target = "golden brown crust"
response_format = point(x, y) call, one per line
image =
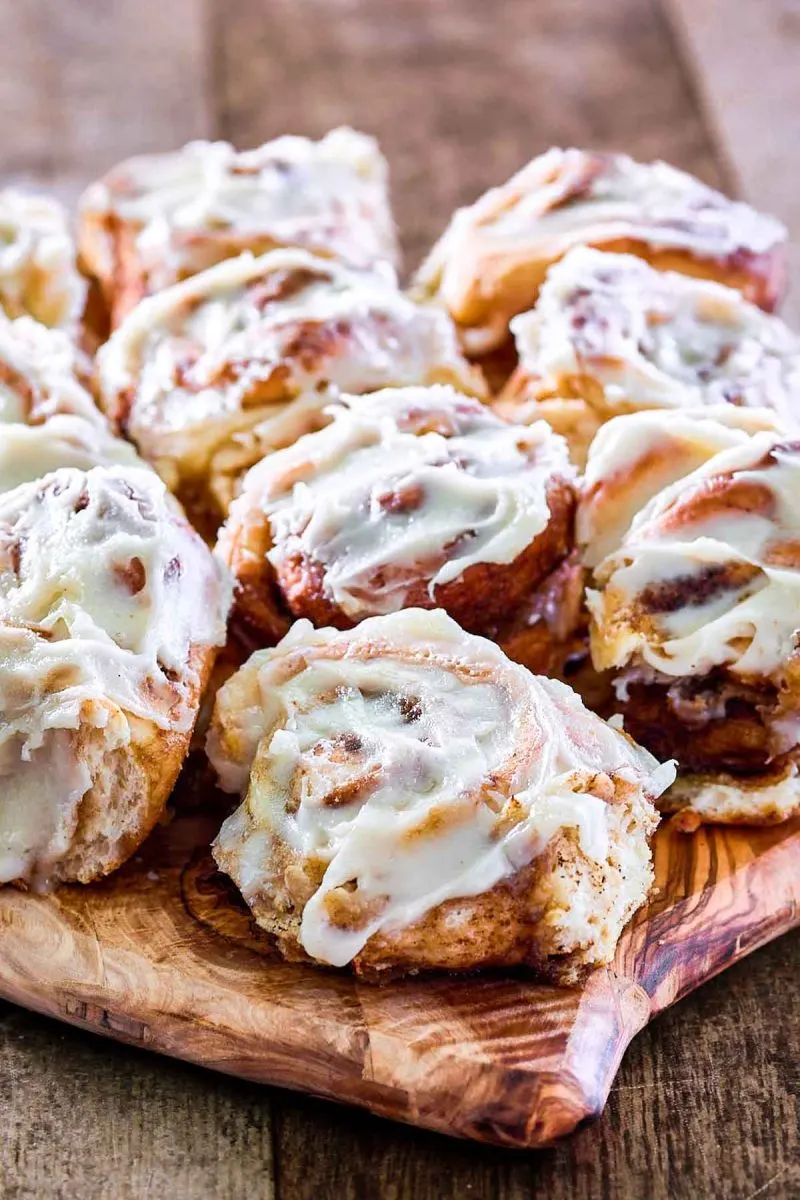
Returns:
point(259, 612)
point(567, 414)
point(523, 921)
point(119, 645)
point(107, 257)
point(694, 608)
point(154, 220)
point(761, 278)
point(491, 261)
point(203, 406)
point(610, 336)
point(300, 736)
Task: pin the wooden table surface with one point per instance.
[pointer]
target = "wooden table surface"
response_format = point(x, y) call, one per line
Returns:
point(460, 92)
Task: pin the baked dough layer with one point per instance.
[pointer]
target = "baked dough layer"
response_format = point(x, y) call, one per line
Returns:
point(610, 335)
point(38, 274)
point(694, 606)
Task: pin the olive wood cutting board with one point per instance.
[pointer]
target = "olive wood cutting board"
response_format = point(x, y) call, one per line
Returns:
point(163, 955)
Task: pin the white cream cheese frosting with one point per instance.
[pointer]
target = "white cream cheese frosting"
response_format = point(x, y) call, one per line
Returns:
point(104, 591)
point(330, 196)
point(405, 480)
point(28, 452)
point(38, 275)
point(411, 763)
point(629, 337)
point(605, 197)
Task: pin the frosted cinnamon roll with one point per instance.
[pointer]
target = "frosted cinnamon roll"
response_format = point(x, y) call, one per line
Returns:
point(696, 611)
point(493, 258)
point(611, 335)
point(156, 219)
point(210, 375)
point(412, 497)
point(413, 800)
point(110, 609)
point(38, 275)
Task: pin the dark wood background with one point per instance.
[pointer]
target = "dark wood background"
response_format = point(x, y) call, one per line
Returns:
point(460, 92)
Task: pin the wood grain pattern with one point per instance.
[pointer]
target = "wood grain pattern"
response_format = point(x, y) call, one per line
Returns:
point(164, 955)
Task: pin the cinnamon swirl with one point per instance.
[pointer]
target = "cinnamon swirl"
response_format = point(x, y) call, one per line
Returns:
point(695, 608)
point(210, 375)
point(412, 497)
point(413, 800)
point(610, 335)
point(110, 609)
point(492, 259)
point(156, 219)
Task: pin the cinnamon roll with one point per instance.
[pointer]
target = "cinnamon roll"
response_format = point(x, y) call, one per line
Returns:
point(610, 335)
point(38, 274)
point(694, 607)
point(156, 219)
point(210, 375)
point(48, 417)
point(412, 497)
point(492, 259)
point(110, 609)
point(413, 800)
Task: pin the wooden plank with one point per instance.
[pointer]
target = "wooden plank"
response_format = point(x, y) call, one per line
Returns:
point(80, 1117)
point(84, 84)
point(746, 59)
